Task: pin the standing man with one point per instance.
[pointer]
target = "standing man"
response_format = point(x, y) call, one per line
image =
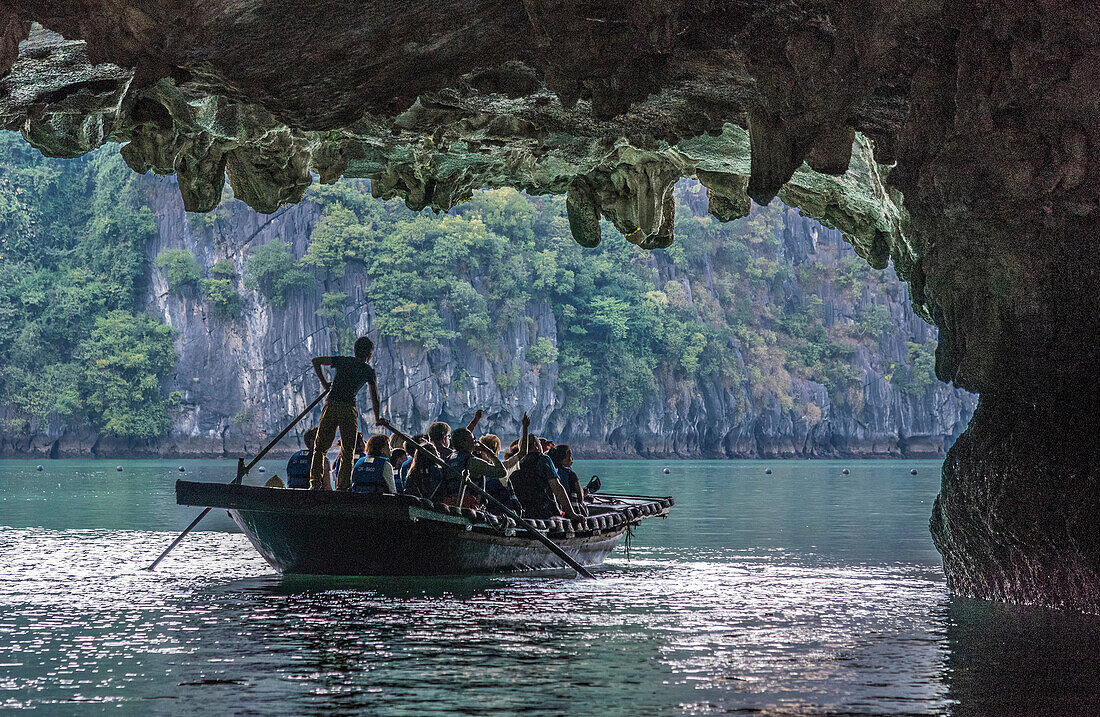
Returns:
point(339, 412)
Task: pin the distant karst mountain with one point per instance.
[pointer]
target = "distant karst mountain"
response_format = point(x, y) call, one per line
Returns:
point(763, 337)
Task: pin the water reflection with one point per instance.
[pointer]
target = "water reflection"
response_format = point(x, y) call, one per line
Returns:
point(793, 593)
point(1018, 660)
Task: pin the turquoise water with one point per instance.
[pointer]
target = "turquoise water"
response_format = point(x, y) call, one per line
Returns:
point(805, 591)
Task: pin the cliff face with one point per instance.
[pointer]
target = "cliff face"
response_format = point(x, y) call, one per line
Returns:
point(242, 378)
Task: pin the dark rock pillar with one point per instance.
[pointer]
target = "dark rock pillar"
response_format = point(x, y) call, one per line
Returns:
point(1018, 515)
point(1000, 175)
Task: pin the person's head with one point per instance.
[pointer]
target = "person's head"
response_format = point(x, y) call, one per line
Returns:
point(534, 445)
point(361, 445)
point(396, 442)
point(397, 457)
point(310, 437)
point(378, 445)
point(420, 437)
point(562, 455)
point(462, 440)
point(438, 433)
point(364, 347)
point(491, 442)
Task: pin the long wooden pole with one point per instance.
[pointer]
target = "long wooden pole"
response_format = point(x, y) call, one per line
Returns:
point(242, 471)
point(550, 545)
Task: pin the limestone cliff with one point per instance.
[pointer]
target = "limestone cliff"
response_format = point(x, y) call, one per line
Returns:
point(241, 378)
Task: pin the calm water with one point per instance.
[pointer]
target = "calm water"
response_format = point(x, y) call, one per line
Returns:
point(805, 591)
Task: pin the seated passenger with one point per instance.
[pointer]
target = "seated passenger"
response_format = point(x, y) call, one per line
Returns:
point(297, 468)
point(513, 456)
point(499, 488)
point(439, 434)
point(403, 469)
point(398, 456)
point(360, 451)
point(420, 479)
point(538, 488)
point(373, 472)
point(562, 457)
point(470, 460)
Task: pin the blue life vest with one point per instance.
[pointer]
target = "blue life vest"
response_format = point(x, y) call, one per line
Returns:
point(336, 463)
point(452, 483)
point(297, 469)
point(402, 477)
point(503, 493)
point(531, 482)
point(368, 476)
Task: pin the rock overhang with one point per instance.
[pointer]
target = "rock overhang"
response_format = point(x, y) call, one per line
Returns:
point(494, 127)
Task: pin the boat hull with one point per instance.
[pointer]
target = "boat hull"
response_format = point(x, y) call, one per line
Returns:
point(346, 546)
point(325, 533)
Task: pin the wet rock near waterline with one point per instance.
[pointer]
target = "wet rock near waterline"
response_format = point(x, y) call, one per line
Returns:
point(1018, 515)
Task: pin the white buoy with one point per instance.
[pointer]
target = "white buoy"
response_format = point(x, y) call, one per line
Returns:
point(845, 471)
point(182, 469)
point(38, 468)
point(118, 468)
point(263, 470)
point(767, 471)
point(667, 471)
point(913, 472)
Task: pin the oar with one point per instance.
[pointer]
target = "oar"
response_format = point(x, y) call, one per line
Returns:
point(581, 570)
point(242, 471)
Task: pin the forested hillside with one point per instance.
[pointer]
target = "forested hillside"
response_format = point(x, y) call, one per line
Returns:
point(75, 352)
point(129, 326)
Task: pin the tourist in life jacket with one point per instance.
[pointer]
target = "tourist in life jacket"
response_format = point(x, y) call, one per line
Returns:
point(373, 472)
point(360, 451)
point(537, 486)
point(470, 460)
point(340, 412)
point(297, 468)
point(561, 456)
point(439, 437)
point(403, 474)
point(439, 433)
point(398, 456)
point(419, 479)
point(499, 488)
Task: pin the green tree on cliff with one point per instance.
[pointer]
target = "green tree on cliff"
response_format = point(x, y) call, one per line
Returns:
point(72, 241)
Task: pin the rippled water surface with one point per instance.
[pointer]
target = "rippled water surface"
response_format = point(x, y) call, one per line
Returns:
point(804, 591)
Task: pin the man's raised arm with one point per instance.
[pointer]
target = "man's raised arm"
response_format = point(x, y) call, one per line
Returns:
point(318, 362)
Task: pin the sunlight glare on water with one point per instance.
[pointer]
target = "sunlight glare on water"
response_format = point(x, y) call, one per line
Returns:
point(799, 592)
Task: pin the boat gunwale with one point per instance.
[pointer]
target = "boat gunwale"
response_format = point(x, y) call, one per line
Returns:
point(331, 504)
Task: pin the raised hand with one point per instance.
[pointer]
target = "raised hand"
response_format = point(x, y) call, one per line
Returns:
point(526, 421)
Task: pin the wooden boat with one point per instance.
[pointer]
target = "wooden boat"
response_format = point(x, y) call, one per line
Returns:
point(330, 533)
